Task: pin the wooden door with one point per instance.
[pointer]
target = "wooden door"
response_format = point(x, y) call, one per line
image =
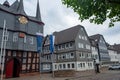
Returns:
point(9, 68)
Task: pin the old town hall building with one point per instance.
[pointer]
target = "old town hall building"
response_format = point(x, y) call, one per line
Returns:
point(21, 48)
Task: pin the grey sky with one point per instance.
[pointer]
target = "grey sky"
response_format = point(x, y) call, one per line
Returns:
point(57, 17)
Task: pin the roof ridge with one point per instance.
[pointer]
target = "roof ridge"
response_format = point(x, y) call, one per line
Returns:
point(68, 28)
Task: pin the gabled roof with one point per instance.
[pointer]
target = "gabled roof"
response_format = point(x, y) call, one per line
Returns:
point(110, 47)
point(4, 8)
point(95, 37)
point(116, 47)
point(67, 35)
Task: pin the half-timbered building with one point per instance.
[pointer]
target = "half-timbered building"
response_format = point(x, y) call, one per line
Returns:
point(21, 46)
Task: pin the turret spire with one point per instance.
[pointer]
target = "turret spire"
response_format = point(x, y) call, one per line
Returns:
point(38, 15)
point(21, 8)
point(15, 5)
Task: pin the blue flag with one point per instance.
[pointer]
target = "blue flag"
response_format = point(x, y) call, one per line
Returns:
point(51, 38)
point(39, 42)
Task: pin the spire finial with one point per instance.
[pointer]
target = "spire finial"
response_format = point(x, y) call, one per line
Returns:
point(38, 15)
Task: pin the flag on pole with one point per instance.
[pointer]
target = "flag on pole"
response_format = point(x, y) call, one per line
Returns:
point(39, 42)
point(51, 38)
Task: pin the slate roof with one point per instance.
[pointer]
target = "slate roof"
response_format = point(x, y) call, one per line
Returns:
point(110, 47)
point(18, 8)
point(67, 35)
point(21, 8)
point(38, 15)
point(14, 6)
point(92, 42)
point(95, 37)
point(117, 47)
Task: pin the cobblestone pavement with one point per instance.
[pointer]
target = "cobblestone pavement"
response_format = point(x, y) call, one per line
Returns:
point(107, 75)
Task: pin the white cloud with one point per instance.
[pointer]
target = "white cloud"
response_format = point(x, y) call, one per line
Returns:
point(57, 17)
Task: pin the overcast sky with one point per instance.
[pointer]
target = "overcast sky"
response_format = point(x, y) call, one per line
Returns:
point(57, 17)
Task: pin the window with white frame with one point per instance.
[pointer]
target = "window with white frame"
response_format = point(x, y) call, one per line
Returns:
point(55, 66)
point(66, 45)
point(83, 65)
point(59, 47)
point(15, 37)
point(64, 66)
point(64, 56)
point(6, 36)
point(70, 45)
point(82, 55)
point(60, 66)
point(71, 55)
point(73, 65)
point(87, 46)
point(80, 37)
point(31, 40)
point(67, 56)
point(25, 39)
point(88, 55)
point(80, 65)
point(82, 29)
point(46, 66)
point(63, 46)
point(85, 38)
point(89, 65)
point(80, 45)
point(93, 48)
point(68, 65)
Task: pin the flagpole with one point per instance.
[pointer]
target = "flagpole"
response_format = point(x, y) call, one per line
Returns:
point(52, 38)
point(2, 46)
point(53, 65)
point(39, 48)
point(40, 60)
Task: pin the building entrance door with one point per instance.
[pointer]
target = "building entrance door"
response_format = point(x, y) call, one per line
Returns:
point(13, 68)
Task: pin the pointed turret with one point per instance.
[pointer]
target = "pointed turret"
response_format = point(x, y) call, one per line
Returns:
point(15, 5)
point(21, 8)
point(38, 15)
point(6, 3)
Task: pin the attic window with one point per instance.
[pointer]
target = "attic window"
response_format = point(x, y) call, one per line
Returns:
point(82, 29)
